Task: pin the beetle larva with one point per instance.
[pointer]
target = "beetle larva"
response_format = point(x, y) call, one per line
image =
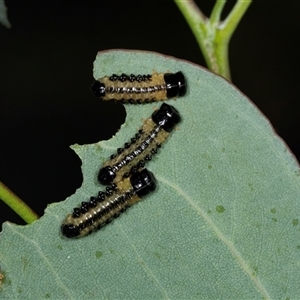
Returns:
point(140, 88)
point(101, 210)
point(142, 146)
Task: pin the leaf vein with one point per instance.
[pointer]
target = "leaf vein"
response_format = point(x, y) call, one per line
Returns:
point(235, 253)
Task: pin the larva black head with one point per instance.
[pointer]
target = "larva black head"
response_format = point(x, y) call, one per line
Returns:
point(106, 175)
point(70, 231)
point(176, 84)
point(167, 117)
point(143, 182)
point(98, 88)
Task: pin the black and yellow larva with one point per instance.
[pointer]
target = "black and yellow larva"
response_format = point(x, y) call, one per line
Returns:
point(137, 89)
point(142, 146)
point(101, 210)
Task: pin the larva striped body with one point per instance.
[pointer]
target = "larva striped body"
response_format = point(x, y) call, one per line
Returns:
point(142, 146)
point(141, 88)
point(101, 210)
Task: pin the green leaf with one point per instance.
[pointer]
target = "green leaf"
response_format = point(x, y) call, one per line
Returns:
point(223, 223)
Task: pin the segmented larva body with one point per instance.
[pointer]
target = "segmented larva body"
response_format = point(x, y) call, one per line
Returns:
point(142, 146)
point(140, 88)
point(101, 210)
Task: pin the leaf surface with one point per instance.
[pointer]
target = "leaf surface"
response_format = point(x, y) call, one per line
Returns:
point(223, 223)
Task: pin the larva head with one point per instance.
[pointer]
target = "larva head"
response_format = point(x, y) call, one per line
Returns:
point(176, 84)
point(106, 175)
point(167, 117)
point(143, 182)
point(98, 88)
point(70, 231)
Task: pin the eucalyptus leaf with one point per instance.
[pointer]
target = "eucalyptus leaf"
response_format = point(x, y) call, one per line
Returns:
point(223, 223)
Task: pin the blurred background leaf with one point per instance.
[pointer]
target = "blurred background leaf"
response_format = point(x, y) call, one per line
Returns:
point(3, 15)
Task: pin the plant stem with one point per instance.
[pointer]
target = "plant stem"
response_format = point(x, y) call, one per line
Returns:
point(230, 23)
point(216, 12)
point(212, 34)
point(15, 203)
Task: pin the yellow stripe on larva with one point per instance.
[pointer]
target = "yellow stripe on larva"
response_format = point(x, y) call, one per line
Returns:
point(101, 210)
point(140, 88)
point(147, 128)
point(142, 146)
point(101, 206)
point(156, 80)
